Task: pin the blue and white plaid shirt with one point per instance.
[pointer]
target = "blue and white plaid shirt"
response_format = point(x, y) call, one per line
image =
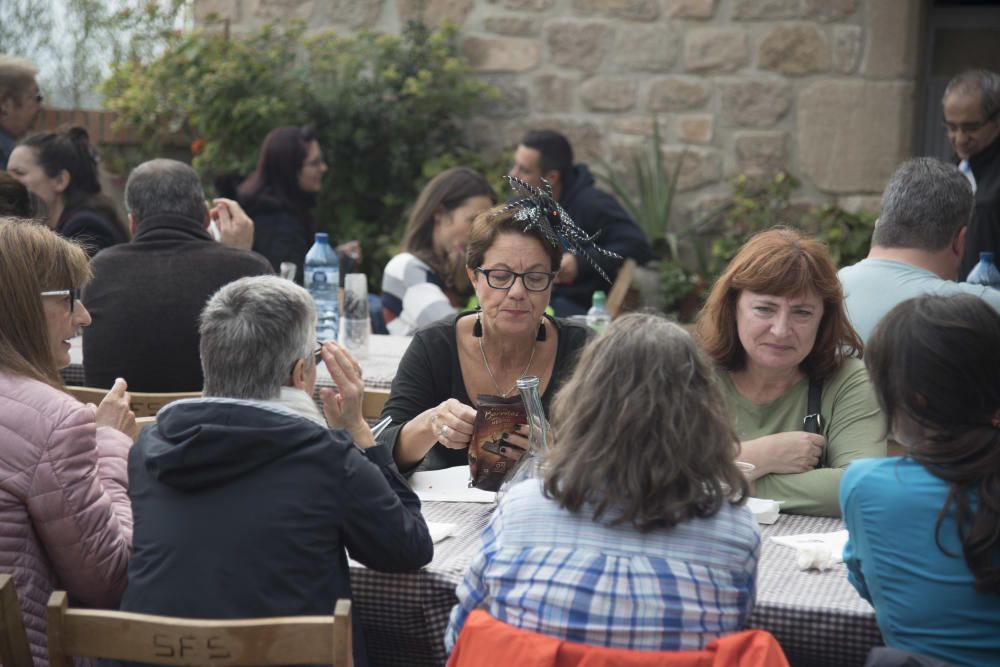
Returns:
point(545, 569)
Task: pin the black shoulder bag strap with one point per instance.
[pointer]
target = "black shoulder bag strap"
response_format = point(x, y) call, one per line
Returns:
point(813, 421)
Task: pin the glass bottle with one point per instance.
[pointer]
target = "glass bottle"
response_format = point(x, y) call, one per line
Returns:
point(530, 464)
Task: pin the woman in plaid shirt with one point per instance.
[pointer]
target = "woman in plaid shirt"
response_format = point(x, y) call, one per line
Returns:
point(636, 537)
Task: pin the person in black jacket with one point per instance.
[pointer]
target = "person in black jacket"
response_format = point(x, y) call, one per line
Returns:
point(246, 504)
point(280, 194)
point(60, 168)
point(548, 154)
point(971, 107)
point(146, 295)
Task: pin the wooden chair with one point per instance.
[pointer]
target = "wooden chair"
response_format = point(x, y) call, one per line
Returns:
point(14, 649)
point(373, 402)
point(143, 404)
point(622, 295)
point(164, 640)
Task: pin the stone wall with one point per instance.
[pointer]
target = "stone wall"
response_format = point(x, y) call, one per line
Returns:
point(823, 88)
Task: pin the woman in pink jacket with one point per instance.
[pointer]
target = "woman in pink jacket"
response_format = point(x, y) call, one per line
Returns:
point(65, 517)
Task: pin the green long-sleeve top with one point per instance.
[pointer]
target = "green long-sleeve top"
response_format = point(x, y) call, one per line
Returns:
point(853, 425)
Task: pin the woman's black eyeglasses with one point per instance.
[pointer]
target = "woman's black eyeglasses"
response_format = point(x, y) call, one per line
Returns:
point(73, 294)
point(533, 281)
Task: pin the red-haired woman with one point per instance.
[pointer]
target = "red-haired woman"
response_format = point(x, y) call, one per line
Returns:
point(803, 406)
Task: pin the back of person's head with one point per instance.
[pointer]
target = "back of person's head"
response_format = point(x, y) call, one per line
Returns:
point(33, 259)
point(555, 150)
point(276, 178)
point(253, 331)
point(443, 193)
point(779, 262)
point(164, 187)
point(69, 149)
point(934, 362)
point(15, 201)
point(924, 206)
point(981, 81)
point(16, 76)
point(641, 431)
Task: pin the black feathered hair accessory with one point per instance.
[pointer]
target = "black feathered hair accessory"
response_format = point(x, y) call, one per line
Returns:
point(539, 210)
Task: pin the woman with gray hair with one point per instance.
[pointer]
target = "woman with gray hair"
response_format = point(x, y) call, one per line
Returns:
point(636, 537)
point(245, 500)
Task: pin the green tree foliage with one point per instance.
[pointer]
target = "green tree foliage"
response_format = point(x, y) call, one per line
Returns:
point(384, 107)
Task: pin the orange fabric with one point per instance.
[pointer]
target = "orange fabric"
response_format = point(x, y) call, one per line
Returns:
point(487, 642)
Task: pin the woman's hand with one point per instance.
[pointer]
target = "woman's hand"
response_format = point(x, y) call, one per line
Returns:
point(342, 407)
point(114, 411)
point(788, 452)
point(452, 423)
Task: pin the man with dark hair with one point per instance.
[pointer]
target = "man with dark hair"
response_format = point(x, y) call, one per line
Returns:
point(971, 105)
point(20, 102)
point(146, 295)
point(916, 245)
point(548, 154)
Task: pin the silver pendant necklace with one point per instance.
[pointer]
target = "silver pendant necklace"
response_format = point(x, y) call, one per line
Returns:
point(504, 394)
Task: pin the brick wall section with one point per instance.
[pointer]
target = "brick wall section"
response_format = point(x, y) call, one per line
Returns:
point(823, 88)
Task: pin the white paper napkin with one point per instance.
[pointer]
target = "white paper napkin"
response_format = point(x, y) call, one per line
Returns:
point(764, 510)
point(439, 531)
point(816, 550)
point(448, 485)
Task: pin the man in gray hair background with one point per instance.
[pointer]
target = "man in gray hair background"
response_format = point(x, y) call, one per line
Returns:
point(971, 106)
point(245, 502)
point(20, 102)
point(146, 295)
point(916, 245)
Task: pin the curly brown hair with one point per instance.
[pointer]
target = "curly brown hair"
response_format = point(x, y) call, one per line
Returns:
point(642, 435)
point(782, 262)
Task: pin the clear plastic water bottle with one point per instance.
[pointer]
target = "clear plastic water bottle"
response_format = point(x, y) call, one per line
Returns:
point(985, 272)
point(598, 317)
point(322, 279)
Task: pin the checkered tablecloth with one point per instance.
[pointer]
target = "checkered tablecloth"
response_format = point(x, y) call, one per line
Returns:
point(817, 616)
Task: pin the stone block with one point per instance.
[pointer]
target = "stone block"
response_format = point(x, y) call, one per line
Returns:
point(528, 5)
point(641, 125)
point(716, 50)
point(829, 10)
point(846, 48)
point(893, 35)
point(695, 128)
point(518, 26)
point(794, 49)
point(700, 166)
point(690, 9)
point(512, 100)
point(351, 14)
point(552, 93)
point(754, 102)
point(634, 10)
point(842, 149)
point(501, 54)
point(578, 45)
point(650, 49)
point(678, 93)
point(760, 153)
point(267, 11)
point(434, 12)
point(858, 203)
point(765, 10)
point(201, 10)
point(608, 93)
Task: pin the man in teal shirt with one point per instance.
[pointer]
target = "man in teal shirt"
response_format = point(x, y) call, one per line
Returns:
point(917, 244)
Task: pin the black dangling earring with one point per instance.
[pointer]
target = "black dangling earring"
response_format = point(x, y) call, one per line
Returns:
point(477, 328)
point(541, 331)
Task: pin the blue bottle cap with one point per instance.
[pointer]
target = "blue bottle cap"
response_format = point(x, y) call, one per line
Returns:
point(986, 256)
point(322, 237)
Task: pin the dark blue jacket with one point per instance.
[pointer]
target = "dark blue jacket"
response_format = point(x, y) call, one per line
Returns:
point(245, 509)
point(597, 212)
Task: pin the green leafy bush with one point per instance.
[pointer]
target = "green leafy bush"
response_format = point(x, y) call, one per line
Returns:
point(754, 206)
point(382, 106)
